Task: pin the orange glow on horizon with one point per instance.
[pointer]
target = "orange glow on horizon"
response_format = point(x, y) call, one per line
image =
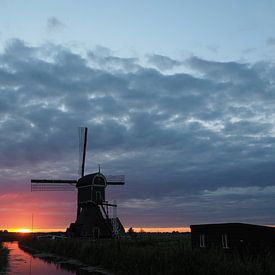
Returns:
point(136, 229)
point(19, 230)
point(35, 230)
point(159, 229)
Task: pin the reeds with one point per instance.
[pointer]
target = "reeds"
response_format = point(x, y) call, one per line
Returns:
point(3, 257)
point(156, 254)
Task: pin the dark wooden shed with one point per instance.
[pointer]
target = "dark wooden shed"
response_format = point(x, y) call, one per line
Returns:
point(233, 236)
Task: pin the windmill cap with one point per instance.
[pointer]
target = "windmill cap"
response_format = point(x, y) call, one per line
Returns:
point(96, 179)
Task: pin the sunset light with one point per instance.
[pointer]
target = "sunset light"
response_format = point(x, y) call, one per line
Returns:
point(20, 230)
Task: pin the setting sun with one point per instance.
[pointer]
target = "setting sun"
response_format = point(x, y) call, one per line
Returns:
point(20, 230)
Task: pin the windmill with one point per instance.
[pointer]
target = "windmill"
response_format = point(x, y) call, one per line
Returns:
point(92, 218)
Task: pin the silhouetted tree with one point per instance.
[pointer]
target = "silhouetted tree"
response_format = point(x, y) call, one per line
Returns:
point(131, 230)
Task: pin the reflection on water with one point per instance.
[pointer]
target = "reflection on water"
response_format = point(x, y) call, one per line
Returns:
point(23, 263)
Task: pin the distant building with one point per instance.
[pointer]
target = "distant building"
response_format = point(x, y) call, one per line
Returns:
point(233, 236)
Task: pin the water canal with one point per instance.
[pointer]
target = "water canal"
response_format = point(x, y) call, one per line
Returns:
point(24, 263)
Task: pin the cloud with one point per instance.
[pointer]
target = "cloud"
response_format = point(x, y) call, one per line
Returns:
point(173, 135)
point(220, 205)
point(163, 62)
point(54, 24)
point(270, 41)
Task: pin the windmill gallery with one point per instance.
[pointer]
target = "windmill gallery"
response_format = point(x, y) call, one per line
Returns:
point(92, 218)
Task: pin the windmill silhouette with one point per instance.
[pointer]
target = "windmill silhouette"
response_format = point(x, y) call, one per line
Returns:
point(92, 219)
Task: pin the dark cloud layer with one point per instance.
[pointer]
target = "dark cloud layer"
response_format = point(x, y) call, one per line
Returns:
point(195, 146)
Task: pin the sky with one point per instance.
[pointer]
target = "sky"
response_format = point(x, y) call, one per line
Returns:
point(179, 96)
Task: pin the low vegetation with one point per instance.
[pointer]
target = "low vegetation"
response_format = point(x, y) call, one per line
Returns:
point(155, 254)
point(3, 258)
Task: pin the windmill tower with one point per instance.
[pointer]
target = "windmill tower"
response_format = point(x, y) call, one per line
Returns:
point(92, 218)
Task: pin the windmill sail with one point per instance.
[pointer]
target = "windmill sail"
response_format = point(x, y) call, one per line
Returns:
point(52, 185)
point(115, 179)
point(83, 132)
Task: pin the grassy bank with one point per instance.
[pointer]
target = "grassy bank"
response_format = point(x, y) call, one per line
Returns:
point(3, 258)
point(155, 254)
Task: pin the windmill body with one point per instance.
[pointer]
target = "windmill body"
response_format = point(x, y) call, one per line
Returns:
point(91, 189)
point(93, 210)
point(92, 219)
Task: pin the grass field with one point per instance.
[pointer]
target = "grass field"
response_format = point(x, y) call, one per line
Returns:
point(156, 254)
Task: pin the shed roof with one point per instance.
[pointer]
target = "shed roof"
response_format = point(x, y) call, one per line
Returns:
point(222, 226)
